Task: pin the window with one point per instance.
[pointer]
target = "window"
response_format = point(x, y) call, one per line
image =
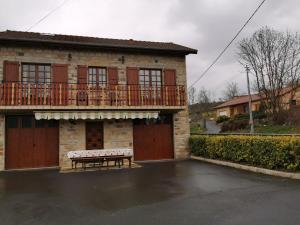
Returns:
point(150, 80)
point(52, 123)
point(97, 76)
point(40, 123)
point(36, 73)
point(162, 119)
point(26, 121)
point(150, 77)
point(12, 122)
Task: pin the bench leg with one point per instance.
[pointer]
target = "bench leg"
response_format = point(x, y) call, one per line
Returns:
point(129, 160)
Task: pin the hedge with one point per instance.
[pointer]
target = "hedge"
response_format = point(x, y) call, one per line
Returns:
point(272, 152)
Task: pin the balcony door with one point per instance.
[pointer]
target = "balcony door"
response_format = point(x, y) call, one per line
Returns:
point(42, 84)
point(35, 83)
point(150, 81)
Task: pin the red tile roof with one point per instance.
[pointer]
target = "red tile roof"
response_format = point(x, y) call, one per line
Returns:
point(31, 37)
point(238, 101)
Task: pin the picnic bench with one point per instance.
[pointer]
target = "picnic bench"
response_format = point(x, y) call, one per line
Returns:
point(99, 157)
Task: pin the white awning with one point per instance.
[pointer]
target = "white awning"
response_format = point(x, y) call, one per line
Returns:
point(92, 115)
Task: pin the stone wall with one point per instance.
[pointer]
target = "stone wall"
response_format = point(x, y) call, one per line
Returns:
point(118, 134)
point(181, 134)
point(93, 58)
point(71, 137)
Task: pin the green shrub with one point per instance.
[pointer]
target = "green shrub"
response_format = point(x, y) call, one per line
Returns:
point(244, 116)
point(222, 119)
point(233, 125)
point(272, 152)
point(256, 115)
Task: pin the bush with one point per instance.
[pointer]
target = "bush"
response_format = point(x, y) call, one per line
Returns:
point(232, 125)
point(258, 115)
point(222, 119)
point(272, 152)
point(244, 116)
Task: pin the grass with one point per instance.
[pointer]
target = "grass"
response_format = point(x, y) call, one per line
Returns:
point(196, 129)
point(271, 129)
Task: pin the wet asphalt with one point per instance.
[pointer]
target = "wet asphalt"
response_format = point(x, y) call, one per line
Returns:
point(184, 192)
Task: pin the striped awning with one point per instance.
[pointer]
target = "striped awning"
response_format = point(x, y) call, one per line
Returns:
point(93, 115)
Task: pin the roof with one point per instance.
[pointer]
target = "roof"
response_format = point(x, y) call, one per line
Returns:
point(30, 38)
point(238, 101)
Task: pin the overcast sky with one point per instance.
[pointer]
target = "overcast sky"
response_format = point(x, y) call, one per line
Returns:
point(206, 25)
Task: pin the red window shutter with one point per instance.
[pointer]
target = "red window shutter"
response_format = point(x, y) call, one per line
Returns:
point(169, 77)
point(112, 75)
point(82, 72)
point(170, 86)
point(132, 76)
point(60, 86)
point(11, 71)
point(60, 73)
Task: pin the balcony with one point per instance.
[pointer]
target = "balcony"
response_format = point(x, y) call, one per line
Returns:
point(14, 95)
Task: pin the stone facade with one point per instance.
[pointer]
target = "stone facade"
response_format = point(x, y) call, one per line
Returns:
point(71, 138)
point(116, 134)
point(181, 134)
point(92, 58)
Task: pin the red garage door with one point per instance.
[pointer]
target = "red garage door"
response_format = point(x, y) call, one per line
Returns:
point(31, 143)
point(153, 139)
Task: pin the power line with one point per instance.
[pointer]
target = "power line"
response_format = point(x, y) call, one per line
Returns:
point(47, 15)
point(227, 46)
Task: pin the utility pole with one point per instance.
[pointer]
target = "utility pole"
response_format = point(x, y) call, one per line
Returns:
point(250, 102)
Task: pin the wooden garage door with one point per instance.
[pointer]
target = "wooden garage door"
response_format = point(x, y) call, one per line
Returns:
point(31, 143)
point(153, 139)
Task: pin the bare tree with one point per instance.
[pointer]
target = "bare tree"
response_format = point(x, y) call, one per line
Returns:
point(204, 96)
point(274, 59)
point(232, 90)
point(192, 95)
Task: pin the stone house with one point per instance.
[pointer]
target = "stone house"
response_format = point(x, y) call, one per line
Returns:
point(61, 93)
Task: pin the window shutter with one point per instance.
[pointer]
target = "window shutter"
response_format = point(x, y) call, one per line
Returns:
point(82, 72)
point(169, 77)
point(112, 75)
point(60, 73)
point(170, 86)
point(11, 71)
point(132, 76)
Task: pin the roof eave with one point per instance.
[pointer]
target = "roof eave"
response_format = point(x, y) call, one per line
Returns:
point(52, 43)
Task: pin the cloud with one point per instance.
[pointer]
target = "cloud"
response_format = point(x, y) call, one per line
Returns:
point(207, 25)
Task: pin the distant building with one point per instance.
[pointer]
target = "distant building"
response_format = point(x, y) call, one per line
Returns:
point(239, 104)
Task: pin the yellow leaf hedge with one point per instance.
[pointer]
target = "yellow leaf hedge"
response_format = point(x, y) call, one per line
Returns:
point(272, 152)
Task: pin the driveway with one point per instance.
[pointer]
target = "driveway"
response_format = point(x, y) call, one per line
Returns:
point(186, 192)
point(212, 127)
